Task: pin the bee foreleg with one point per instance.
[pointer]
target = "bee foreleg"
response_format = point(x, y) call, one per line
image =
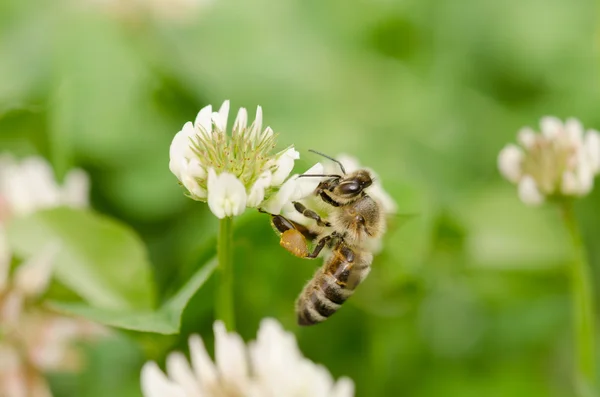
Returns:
point(310, 214)
point(328, 199)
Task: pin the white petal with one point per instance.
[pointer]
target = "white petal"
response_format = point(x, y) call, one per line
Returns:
point(509, 162)
point(585, 175)
point(11, 308)
point(257, 191)
point(241, 121)
point(592, 147)
point(267, 133)
point(284, 164)
point(203, 121)
point(33, 276)
point(344, 387)
point(377, 192)
point(180, 372)
point(551, 126)
point(13, 373)
point(5, 258)
point(191, 184)
point(222, 116)
point(179, 151)
point(226, 194)
point(16, 195)
point(306, 186)
point(76, 189)
point(194, 169)
point(230, 356)
point(293, 189)
point(569, 184)
point(276, 202)
point(155, 383)
point(30, 186)
point(526, 137)
point(257, 125)
point(203, 366)
point(528, 191)
point(574, 131)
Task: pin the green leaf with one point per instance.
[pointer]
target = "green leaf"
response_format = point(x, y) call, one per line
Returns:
point(166, 320)
point(103, 261)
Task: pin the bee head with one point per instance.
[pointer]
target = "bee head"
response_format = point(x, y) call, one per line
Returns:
point(353, 184)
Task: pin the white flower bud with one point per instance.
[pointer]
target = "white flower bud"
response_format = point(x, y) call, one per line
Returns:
point(526, 137)
point(592, 148)
point(257, 192)
point(509, 162)
point(241, 121)
point(574, 132)
point(551, 126)
point(528, 191)
point(203, 122)
point(226, 194)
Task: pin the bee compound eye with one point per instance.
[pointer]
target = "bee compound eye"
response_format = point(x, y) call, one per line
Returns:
point(349, 187)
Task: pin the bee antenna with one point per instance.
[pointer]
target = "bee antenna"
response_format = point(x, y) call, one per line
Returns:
point(319, 176)
point(330, 158)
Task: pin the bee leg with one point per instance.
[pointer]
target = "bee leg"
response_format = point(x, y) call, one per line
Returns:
point(319, 247)
point(292, 239)
point(281, 223)
point(310, 214)
point(328, 199)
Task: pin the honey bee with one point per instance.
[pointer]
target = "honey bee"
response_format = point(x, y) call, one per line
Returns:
point(353, 219)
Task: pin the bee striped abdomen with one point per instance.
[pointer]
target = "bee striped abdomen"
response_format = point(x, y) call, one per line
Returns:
point(332, 285)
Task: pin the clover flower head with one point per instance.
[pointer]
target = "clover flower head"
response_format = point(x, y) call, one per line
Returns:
point(229, 171)
point(561, 161)
point(270, 366)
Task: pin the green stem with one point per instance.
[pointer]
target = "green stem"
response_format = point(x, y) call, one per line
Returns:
point(583, 307)
point(224, 304)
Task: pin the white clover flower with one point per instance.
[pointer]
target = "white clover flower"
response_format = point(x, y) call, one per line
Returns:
point(271, 366)
point(33, 340)
point(560, 161)
point(230, 172)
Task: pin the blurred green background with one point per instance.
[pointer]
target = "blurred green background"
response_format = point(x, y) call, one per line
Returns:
point(468, 298)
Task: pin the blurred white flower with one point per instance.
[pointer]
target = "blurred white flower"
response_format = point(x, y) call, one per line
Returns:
point(230, 172)
point(560, 161)
point(33, 340)
point(29, 185)
point(271, 366)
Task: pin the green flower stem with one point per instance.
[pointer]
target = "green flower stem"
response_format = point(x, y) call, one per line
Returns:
point(583, 307)
point(224, 303)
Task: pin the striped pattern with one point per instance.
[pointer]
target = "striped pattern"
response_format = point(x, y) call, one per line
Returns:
point(332, 284)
